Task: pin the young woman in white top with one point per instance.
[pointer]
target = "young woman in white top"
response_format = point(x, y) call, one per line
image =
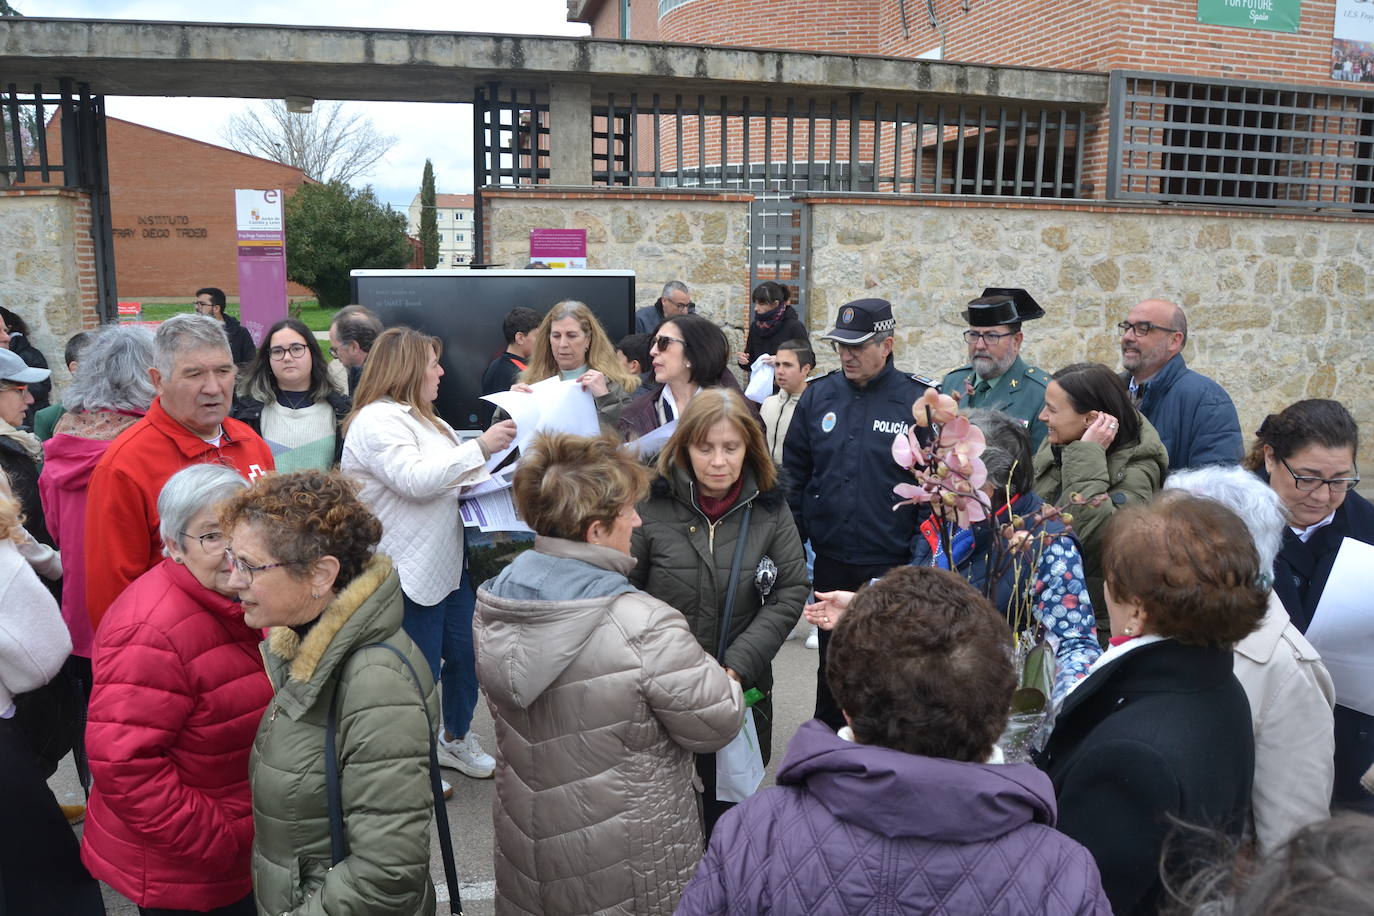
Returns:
point(411, 466)
point(287, 398)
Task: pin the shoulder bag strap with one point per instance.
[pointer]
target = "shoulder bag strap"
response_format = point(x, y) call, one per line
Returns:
point(728, 611)
point(335, 796)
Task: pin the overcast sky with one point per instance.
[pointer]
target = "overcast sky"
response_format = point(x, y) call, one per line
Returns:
point(442, 133)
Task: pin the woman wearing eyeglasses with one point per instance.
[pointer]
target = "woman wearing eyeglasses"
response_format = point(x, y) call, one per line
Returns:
point(1306, 453)
point(288, 399)
point(1097, 447)
point(179, 689)
point(303, 558)
point(688, 353)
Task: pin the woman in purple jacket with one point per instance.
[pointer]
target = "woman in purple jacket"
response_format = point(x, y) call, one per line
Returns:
point(907, 806)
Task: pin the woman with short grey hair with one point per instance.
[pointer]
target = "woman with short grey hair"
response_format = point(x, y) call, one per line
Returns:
point(179, 691)
point(109, 393)
point(1292, 698)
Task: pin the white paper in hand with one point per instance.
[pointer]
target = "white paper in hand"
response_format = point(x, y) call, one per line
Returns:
point(552, 405)
point(760, 380)
point(1342, 627)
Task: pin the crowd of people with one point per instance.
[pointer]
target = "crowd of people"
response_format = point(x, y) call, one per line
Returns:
point(235, 591)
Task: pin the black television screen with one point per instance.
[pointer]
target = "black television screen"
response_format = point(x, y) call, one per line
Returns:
point(465, 308)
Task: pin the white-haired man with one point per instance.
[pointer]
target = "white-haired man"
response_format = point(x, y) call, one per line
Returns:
point(188, 423)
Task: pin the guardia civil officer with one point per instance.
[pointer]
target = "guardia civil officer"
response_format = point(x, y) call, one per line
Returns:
point(996, 376)
point(838, 454)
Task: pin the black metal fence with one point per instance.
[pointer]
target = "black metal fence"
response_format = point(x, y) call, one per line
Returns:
point(1213, 141)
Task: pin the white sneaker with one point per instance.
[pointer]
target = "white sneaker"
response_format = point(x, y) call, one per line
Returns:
point(813, 641)
point(466, 756)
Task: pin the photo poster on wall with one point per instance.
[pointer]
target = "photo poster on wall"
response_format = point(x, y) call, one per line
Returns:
point(1272, 15)
point(1352, 42)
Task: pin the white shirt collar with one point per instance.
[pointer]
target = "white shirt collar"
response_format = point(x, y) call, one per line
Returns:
point(1305, 533)
point(1114, 652)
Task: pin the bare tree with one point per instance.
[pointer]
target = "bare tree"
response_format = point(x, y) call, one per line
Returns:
point(329, 144)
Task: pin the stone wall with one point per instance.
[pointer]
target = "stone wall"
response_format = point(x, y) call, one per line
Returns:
point(47, 267)
point(701, 238)
point(1280, 306)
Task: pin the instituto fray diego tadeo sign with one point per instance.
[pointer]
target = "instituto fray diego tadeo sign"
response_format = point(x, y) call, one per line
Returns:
point(1274, 15)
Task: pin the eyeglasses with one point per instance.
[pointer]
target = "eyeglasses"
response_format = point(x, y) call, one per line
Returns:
point(991, 338)
point(836, 346)
point(334, 352)
point(663, 342)
point(279, 353)
point(244, 569)
point(212, 542)
point(1305, 484)
point(1143, 328)
point(8, 386)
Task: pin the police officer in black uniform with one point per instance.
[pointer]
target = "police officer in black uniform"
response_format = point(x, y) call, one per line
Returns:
point(838, 454)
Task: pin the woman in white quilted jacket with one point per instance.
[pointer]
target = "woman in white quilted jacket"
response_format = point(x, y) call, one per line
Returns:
point(411, 465)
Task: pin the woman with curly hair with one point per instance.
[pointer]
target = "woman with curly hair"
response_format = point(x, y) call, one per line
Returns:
point(287, 398)
point(302, 552)
point(571, 344)
point(1160, 729)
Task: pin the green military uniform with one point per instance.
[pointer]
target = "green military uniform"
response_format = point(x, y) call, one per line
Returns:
point(1019, 392)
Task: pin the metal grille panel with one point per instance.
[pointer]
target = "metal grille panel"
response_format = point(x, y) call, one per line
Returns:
point(1197, 140)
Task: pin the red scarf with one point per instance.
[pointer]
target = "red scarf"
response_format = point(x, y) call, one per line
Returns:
point(713, 509)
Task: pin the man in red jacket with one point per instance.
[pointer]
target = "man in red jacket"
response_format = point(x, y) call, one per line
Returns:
point(187, 424)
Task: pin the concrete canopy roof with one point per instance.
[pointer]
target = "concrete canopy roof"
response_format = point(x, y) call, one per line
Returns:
point(124, 57)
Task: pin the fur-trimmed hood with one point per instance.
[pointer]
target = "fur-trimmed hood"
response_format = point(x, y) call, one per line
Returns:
point(369, 609)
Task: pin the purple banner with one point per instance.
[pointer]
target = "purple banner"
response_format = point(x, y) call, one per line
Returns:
point(262, 260)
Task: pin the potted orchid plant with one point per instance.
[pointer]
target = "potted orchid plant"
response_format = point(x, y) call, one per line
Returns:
point(950, 479)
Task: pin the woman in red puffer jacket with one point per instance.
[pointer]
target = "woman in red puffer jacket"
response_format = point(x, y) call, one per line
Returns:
point(179, 689)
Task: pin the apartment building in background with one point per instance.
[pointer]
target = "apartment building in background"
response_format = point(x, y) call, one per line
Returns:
point(454, 218)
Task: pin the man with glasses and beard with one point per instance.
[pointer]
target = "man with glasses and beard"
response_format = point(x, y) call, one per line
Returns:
point(1193, 415)
point(996, 377)
point(838, 454)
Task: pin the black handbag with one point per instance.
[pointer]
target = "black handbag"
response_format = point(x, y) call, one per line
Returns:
point(51, 718)
point(337, 846)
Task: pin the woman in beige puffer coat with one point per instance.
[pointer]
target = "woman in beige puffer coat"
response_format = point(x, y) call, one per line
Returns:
point(600, 696)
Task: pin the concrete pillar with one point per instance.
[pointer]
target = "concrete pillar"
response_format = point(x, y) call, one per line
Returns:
point(570, 133)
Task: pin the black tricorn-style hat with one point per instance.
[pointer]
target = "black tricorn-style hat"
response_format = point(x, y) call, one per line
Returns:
point(1002, 305)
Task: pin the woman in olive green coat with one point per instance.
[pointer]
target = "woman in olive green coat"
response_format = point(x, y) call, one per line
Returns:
point(303, 564)
point(1097, 445)
point(715, 472)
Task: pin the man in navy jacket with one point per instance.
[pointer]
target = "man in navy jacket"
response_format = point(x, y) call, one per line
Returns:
point(838, 455)
point(1193, 415)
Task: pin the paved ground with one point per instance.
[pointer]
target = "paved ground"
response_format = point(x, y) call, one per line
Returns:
point(469, 811)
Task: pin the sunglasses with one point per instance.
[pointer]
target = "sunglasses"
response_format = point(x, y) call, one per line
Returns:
point(663, 342)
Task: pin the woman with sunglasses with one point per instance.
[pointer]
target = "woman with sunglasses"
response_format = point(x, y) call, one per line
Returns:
point(688, 353)
point(1306, 453)
point(179, 689)
point(288, 400)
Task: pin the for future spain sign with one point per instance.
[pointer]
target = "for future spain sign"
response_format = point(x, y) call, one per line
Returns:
point(1274, 15)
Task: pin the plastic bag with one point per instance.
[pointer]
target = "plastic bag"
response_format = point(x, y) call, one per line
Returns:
point(760, 380)
point(739, 765)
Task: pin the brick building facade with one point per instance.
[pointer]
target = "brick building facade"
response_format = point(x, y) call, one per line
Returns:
point(172, 209)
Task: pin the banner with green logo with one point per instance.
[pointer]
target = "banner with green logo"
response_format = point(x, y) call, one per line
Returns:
point(1274, 15)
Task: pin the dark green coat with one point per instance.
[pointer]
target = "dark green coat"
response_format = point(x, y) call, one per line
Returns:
point(383, 748)
point(1019, 393)
point(1130, 475)
point(684, 561)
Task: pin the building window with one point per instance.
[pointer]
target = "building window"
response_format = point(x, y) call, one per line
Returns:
point(441, 238)
point(667, 6)
point(458, 236)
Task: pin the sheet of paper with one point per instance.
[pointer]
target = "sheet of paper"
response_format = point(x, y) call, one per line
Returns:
point(760, 380)
point(652, 442)
point(1342, 628)
point(552, 405)
point(501, 481)
point(492, 512)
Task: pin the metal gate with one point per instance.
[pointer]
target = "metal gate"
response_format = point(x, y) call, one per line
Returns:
point(780, 245)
